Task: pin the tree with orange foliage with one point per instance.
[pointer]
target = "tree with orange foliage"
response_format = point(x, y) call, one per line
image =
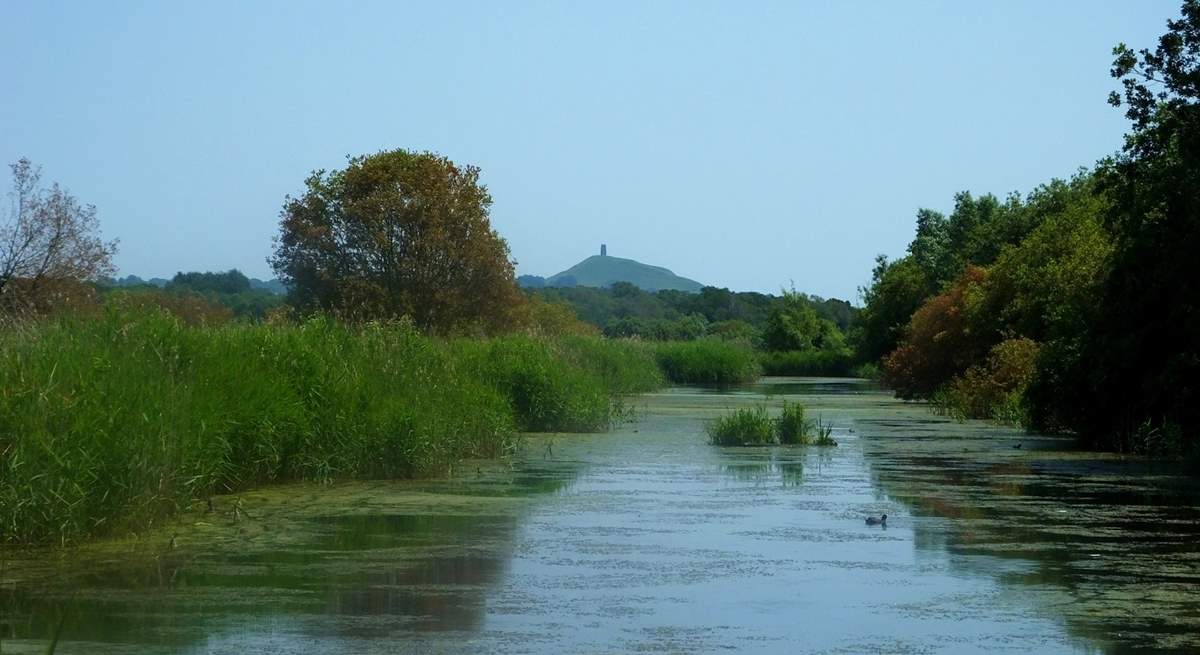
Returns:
point(940, 341)
point(398, 233)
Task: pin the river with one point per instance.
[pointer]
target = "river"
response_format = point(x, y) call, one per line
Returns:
point(647, 539)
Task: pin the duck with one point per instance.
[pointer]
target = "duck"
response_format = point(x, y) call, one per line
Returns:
point(882, 520)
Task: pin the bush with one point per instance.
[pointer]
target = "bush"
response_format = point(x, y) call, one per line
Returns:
point(995, 389)
point(707, 361)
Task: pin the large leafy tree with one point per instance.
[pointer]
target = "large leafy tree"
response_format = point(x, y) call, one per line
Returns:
point(1140, 370)
point(398, 233)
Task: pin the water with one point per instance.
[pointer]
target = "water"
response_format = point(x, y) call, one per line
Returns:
point(646, 539)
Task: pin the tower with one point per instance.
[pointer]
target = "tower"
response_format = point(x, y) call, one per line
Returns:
point(603, 250)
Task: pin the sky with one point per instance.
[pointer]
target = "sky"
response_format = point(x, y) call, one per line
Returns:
point(750, 145)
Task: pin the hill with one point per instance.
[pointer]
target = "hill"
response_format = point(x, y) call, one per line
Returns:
point(602, 271)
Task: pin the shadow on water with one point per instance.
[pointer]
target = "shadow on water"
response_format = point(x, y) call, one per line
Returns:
point(1109, 544)
point(666, 544)
point(420, 555)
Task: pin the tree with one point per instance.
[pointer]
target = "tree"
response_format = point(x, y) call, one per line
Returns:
point(1140, 367)
point(939, 342)
point(794, 325)
point(398, 233)
point(897, 289)
point(47, 241)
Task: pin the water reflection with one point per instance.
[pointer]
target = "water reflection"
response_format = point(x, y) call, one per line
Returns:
point(428, 571)
point(1111, 543)
point(650, 540)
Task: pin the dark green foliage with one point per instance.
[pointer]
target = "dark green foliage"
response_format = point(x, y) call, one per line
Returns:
point(897, 289)
point(1140, 365)
point(793, 324)
point(828, 363)
point(1096, 275)
point(111, 423)
point(706, 361)
point(684, 328)
point(229, 282)
point(626, 310)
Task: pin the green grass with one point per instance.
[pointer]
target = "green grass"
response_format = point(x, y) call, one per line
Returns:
point(754, 427)
point(571, 384)
point(748, 426)
point(707, 361)
point(792, 427)
point(113, 423)
point(825, 363)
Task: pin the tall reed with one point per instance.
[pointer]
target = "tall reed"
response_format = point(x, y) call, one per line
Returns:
point(707, 361)
point(112, 423)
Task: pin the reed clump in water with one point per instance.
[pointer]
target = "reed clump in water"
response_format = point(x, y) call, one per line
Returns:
point(754, 427)
point(747, 426)
point(113, 423)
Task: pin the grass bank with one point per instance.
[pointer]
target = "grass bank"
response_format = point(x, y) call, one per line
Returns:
point(112, 423)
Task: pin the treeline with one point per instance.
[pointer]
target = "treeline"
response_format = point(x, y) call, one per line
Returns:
point(215, 296)
point(1075, 308)
point(794, 333)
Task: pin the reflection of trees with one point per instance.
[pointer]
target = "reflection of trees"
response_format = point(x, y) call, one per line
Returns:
point(412, 571)
point(1108, 534)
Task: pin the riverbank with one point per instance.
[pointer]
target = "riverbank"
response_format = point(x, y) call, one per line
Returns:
point(655, 540)
point(110, 424)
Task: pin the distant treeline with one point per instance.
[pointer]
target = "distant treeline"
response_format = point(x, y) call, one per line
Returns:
point(207, 294)
point(794, 333)
point(1077, 307)
point(624, 310)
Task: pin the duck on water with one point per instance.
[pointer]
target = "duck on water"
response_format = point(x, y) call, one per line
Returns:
point(882, 520)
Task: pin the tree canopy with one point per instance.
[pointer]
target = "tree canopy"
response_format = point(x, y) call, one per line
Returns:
point(397, 233)
point(49, 242)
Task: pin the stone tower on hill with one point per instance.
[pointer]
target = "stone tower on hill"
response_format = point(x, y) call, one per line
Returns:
point(603, 250)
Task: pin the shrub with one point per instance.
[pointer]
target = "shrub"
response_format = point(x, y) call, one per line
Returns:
point(994, 389)
point(707, 361)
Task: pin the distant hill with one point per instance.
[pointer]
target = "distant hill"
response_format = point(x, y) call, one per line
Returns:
point(603, 271)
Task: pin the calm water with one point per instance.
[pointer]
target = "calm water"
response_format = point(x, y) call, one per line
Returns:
point(646, 539)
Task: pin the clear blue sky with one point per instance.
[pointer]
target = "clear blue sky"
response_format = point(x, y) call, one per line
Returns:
point(743, 144)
